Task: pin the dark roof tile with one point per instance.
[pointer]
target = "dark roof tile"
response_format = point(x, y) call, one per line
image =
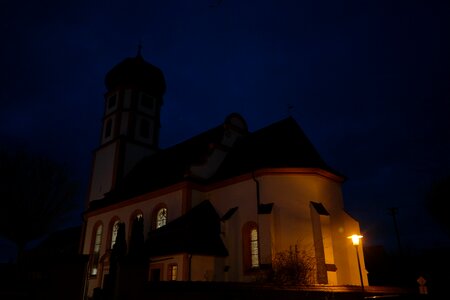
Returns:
point(280, 145)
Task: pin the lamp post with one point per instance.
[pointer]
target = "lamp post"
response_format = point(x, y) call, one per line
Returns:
point(355, 240)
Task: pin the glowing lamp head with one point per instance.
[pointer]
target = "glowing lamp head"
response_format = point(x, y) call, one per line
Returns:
point(355, 239)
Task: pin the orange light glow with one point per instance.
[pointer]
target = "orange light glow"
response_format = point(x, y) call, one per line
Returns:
point(355, 239)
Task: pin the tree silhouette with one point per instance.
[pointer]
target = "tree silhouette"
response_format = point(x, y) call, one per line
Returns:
point(35, 194)
point(137, 245)
point(118, 253)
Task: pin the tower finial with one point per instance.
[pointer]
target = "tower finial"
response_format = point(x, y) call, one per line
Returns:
point(290, 109)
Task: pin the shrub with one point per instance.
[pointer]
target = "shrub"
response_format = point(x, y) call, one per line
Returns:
point(293, 267)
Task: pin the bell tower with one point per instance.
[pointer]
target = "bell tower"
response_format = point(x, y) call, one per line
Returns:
point(130, 124)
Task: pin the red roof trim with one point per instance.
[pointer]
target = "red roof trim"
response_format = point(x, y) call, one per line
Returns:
point(186, 186)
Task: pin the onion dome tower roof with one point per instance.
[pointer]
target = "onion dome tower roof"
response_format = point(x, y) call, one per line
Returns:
point(136, 72)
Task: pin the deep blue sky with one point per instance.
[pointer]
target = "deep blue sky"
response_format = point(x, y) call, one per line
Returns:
point(369, 82)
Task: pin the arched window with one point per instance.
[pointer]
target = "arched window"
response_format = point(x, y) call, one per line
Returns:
point(97, 242)
point(254, 247)
point(250, 246)
point(114, 229)
point(159, 216)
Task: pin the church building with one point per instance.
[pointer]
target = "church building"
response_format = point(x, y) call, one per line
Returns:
point(220, 206)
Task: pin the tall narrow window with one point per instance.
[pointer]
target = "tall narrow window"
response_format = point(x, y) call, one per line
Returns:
point(96, 250)
point(161, 217)
point(172, 272)
point(115, 228)
point(254, 247)
point(250, 246)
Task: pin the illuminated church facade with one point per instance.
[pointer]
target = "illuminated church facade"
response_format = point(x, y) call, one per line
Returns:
point(219, 206)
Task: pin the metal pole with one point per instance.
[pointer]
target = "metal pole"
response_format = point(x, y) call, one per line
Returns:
point(393, 211)
point(359, 268)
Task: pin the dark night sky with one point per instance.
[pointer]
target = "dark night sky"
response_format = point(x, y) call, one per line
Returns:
point(369, 82)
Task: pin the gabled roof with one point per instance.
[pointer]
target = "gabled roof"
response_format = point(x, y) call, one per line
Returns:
point(196, 232)
point(280, 145)
point(168, 166)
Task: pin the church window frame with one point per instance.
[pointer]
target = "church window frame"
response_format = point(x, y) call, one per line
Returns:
point(250, 247)
point(160, 216)
point(113, 228)
point(254, 247)
point(96, 243)
point(172, 272)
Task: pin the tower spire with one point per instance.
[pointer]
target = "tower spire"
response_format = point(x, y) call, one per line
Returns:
point(135, 91)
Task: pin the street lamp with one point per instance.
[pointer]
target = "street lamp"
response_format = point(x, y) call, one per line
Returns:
point(355, 240)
